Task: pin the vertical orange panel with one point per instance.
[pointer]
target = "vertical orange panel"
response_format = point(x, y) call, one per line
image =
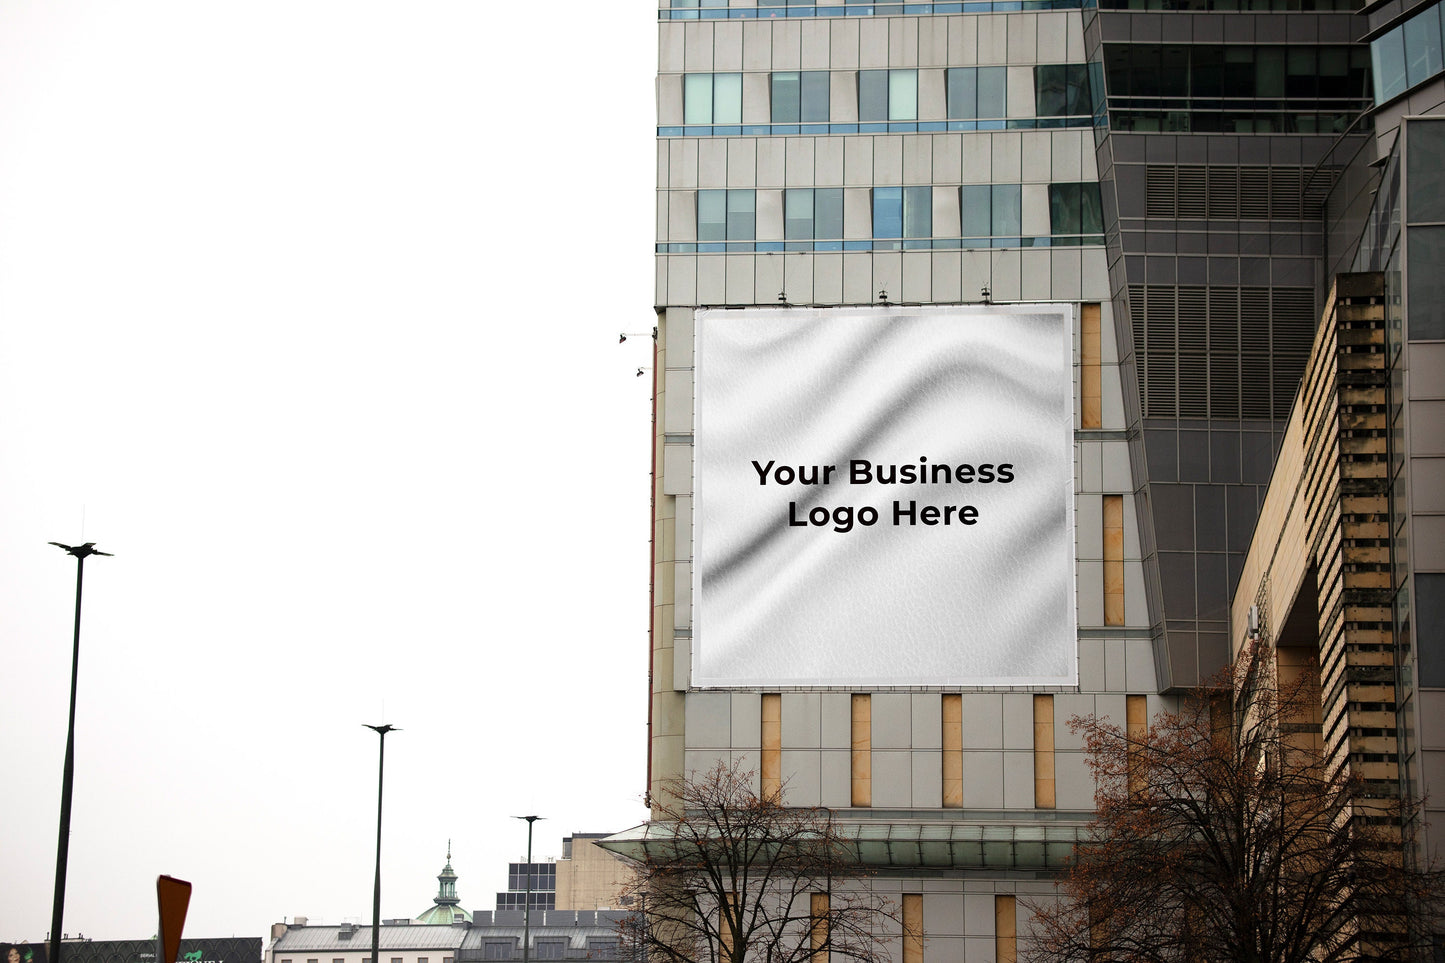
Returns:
point(1005, 929)
point(912, 928)
point(952, 751)
point(1043, 752)
point(862, 750)
point(724, 928)
point(1091, 395)
point(1136, 715)
point(818, 911)
point(772, 741)
point(1113, 559)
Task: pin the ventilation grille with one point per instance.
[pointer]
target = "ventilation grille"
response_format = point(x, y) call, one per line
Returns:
point(1234, 193)
point(1220, 352)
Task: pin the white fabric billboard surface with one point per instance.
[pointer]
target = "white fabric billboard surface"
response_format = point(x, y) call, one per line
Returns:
point(884, 496)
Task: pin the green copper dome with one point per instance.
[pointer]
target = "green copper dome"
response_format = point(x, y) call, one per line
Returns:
point(445, 910)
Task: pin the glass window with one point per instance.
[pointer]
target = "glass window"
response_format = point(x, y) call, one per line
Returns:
point(887, 212)
point(1075, 209)
point(903, 213)
point(813, 218)
point(601, 948)
point(1062, 90)
point(885, 95)
point(977, 92)
point(902, 95)
point(712, 215)
point(1430, 628)
point(496, 950)
point(688, 9)
point(551, 949)
point(712, 99)
point(1425, 310)
point(800, 96)
point(1388, 55)
point(990, 210)
point(742, 220)
point(722, 215)
point(1422, 46)
point(1425, 200)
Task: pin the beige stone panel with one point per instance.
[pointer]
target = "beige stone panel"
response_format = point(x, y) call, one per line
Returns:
point(697, 46)
point(727, 45)
point(946, 276)
point(787, 44)
point(843, 96)
point(887, 160)
point(757, 99)
point(757, 45)
point(933, 42)
point(816, 44)
point(1023, 38)
point(670, 38)
point(742, 161)
point(992, 38)
point(872, 42)
point(669, 100)
point(858, 164)
point(827, 278)
point(902, 41)
point(962, 41)
point(801, 167)
point(932, 94)
point(843, 34)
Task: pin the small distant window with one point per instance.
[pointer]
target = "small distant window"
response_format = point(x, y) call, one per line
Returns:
point(421, 959)
point(551, 949)
point(601, 948)
point(495, 950)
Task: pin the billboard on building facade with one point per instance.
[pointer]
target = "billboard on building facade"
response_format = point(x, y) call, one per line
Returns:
point(883, 496)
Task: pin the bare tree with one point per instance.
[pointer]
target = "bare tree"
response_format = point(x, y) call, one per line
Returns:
point(1221, 834)
point(727, 876)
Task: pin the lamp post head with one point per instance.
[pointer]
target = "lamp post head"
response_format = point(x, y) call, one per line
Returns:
point(530, 819)
point(382, 730)
point(81, 551)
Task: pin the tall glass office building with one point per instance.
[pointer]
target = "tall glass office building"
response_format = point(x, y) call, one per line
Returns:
point(1178, 180)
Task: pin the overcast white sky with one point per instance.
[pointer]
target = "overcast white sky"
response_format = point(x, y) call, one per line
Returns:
point(309, 313)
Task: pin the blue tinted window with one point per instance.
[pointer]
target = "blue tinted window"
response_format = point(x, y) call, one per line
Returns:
point(1388, 55)
point(888, 212)
point(1422, 46)
point(800, 96)
point(977, 92)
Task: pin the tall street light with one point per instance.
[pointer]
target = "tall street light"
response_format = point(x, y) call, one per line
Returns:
point(380, 730)
point(67, 779)
point(527, 906)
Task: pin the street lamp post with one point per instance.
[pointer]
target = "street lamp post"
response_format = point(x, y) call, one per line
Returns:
point(527, 906)
point(381, 731)
point(67, 779)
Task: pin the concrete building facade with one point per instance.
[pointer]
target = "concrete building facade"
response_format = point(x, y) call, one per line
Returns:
point(1188, 178)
